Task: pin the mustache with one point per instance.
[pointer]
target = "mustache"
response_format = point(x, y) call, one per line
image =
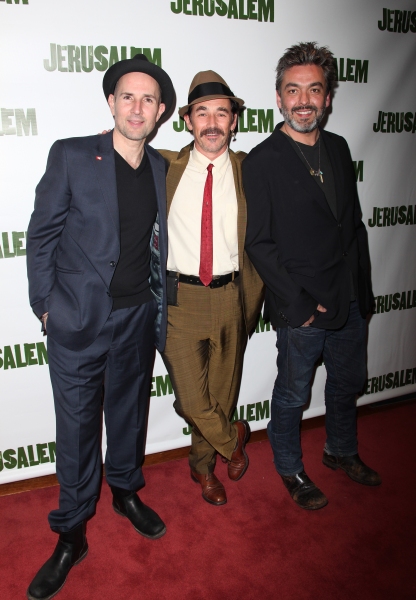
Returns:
point(304, 107)
point(212, 131)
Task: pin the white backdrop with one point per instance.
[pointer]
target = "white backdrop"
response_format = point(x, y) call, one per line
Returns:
point(52, 58)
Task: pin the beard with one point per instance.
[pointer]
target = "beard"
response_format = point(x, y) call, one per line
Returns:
point(304, 126)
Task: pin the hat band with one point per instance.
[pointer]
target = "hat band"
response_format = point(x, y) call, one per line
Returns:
point(209, 89)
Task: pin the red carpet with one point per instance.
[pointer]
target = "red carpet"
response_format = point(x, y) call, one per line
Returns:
point(259, 546)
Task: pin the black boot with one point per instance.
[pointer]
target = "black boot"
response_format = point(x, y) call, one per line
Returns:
point(144, 519)
point(71, 548)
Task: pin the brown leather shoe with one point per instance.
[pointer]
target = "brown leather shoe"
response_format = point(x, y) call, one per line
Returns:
point(354, 468)
point(304, 492)
point(238, 464)
point(212, 489)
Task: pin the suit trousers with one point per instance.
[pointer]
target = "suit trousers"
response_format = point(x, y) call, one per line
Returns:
point(204, 354)
point(121, 358)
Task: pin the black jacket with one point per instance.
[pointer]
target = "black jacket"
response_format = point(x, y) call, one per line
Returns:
point(303, 254)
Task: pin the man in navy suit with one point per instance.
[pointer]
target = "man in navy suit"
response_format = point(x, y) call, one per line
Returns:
point(308, 243)
point(96, 255)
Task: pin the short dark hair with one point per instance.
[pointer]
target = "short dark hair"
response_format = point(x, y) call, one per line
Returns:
point(307, 53)
point(235, 110)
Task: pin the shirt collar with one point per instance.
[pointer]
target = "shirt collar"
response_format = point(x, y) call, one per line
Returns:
point(201, 162)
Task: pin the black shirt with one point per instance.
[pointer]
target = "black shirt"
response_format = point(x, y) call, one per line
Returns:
point(137, 210)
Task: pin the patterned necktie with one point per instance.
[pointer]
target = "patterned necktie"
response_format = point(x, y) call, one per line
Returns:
point(205, 264)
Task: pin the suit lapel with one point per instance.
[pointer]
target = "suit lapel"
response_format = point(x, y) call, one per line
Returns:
point(176, 170)
point(158, 170)
point(105, 168)
point(337, 170)
point(241, 203)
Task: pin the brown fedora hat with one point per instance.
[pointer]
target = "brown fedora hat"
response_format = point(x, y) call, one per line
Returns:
point(208, 85)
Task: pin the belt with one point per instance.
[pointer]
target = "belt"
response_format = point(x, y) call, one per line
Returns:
point(217, 281)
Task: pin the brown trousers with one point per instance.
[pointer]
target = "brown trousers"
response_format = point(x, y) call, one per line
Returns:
point(204, 356)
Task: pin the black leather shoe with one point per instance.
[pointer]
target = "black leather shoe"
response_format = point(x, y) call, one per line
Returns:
point(354, 468)
point(144, 520)
point(304, 492)
point(71, 549)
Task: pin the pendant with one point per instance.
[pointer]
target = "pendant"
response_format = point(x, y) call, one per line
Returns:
point(320, 176)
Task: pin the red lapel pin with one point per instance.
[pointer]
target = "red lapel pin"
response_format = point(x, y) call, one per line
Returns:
point(99, 158)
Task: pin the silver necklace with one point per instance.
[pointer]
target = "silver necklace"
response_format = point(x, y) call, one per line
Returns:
point(318, 172)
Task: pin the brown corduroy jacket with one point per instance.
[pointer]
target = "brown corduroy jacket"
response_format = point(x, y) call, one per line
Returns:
point(251, 284)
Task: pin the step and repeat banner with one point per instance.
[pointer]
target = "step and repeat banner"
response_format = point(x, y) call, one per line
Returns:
point(53, 55)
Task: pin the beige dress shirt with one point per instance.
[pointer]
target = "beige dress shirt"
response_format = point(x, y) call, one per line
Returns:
point(184, 221)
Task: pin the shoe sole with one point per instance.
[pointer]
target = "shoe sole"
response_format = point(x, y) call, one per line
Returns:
point(246, 438)
point(206, 499)
point(146, 535)
point(335, 467)
point(30, 597)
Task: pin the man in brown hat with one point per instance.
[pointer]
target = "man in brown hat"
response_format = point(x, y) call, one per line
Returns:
point(96, 237)
point(214, 292)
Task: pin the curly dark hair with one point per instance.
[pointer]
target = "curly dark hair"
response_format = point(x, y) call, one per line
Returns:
point(307, 53)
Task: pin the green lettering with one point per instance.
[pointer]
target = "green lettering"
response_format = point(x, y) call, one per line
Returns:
point(221, 9)
point(251, 114)
point(262, 410)
point(8, 458)
point(265, 120)
point(209, 8)
point(19, 362)
point(262, 325)
point(52, 64)
point(266, 10)
point(350, 65)
point(41, 450)
point(163, 385)
point(101, 64)
point(242, 16)
point(29, 350)
point(359, 170)
point(17, 237)
point(197, 8)
point(25, 123)
point(251, 9)
point(154, 57)
point(8, 358)
point(87, 59)
point(113, 56)
point(74, 59)
point(42, 353)
point(61, 58)
point(6, 245)
point(232, 9)
point(21, 458)
point(176, 7)
point(52, 451)
point(361, 71)
point(250, 412)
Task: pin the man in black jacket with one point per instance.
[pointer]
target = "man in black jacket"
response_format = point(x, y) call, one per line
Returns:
point(307, 241)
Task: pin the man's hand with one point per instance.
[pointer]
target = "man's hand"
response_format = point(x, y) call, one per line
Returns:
point(44, 318)
point(312, 318)
point(105, 131)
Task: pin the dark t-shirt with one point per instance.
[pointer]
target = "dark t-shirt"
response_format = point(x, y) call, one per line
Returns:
point(137, 209)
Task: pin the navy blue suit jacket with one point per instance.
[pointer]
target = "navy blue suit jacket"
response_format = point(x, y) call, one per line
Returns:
point(73, 240)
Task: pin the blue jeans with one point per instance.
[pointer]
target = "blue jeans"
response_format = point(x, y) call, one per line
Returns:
point(344, 355)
